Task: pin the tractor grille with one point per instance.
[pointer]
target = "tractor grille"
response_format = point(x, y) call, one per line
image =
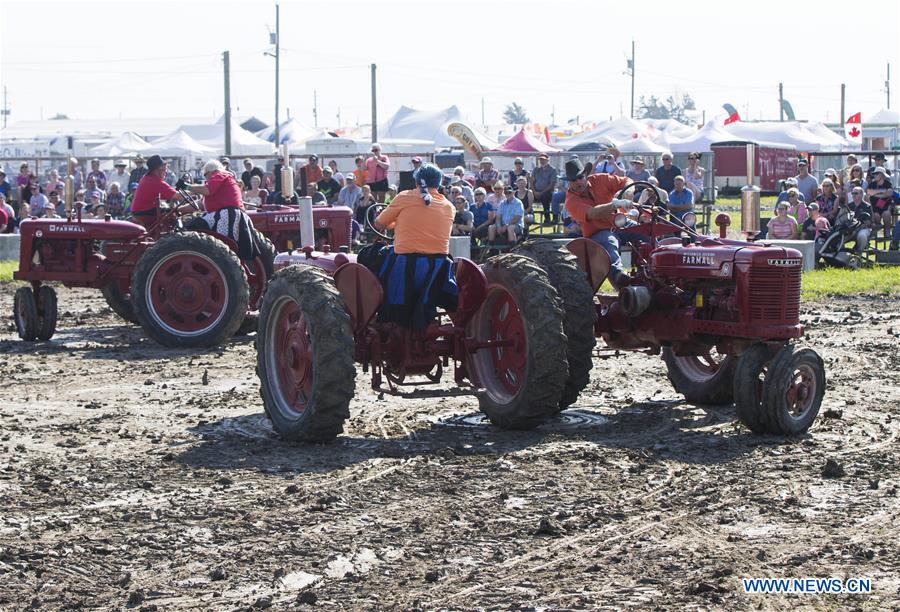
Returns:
point(775, 294)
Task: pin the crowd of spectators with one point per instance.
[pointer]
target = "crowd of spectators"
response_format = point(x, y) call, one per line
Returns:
point(809, 209)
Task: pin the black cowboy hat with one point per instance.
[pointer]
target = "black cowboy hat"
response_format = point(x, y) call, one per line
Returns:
point(575, 169)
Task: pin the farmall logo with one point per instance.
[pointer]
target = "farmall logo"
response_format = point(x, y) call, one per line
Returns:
point(784, 263)
point(290, 218)
point(70, 229)
point(698, 259)
point(323, 222)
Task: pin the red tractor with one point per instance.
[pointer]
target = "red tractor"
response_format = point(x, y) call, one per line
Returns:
point(319, 315)
point(722, 313)
point(281, 224)
point(185, 288)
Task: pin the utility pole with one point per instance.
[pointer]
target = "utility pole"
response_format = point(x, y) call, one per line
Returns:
point(781, 102)
point(632, 78)
point(277, 66)
point(226, 60)
point(5, 110)
point(843, 117)
point(374, 109)
point(315, 110)
point(887, 85)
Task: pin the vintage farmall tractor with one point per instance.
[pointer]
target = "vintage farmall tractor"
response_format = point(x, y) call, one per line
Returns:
point(185, 288)
point(320, 315)
point(724, 315)
point(281, 225)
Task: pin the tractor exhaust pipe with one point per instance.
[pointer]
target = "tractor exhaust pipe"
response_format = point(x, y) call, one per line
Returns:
point(307, 235)
point(634, 300)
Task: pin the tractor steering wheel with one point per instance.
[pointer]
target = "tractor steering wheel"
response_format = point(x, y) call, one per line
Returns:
point(372, 213)
point(668, 216)
point(645, 184)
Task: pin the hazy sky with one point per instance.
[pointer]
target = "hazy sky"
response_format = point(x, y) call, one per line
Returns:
point(143, 59)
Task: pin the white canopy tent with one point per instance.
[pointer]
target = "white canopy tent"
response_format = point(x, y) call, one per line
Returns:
point(803, 136)
point(290, 132)
point(179, 143)
point(410, 124)
point(701, 140)
point(642, 145)
point(242, 142)
point(613, 132)
point(127, 143)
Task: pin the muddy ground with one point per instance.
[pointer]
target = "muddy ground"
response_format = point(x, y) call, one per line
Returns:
point(126, 481)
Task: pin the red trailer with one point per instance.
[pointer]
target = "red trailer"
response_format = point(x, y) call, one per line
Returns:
point(772, 163)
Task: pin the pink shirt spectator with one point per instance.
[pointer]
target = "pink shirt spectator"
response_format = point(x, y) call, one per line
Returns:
point(798, 212)
point(782, 229)
point(374, 172)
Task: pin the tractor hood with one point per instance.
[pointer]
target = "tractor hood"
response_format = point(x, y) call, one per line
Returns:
point(286, 217)
point(86, 229)
point(718, 259)
point(327, 260)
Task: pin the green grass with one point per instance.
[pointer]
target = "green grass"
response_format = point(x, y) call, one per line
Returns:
point(880, 280)
point(7, 268)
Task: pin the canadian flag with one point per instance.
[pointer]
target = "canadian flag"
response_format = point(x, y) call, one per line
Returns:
point(853, 129)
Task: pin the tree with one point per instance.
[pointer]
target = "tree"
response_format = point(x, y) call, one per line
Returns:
point(515, 114)
point(674, 107)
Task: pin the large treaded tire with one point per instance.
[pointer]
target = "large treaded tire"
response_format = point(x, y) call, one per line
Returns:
point(47, 312)
point(749, 376)
point(26, 313)
point(521, 385)
point(267, 253)
point(579, 311)
point(303, 316)
point(786, 367)
point(713, 390)
point(119, 302)
point(223, 268)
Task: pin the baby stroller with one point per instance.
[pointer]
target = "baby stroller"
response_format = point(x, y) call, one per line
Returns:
point(832, 249)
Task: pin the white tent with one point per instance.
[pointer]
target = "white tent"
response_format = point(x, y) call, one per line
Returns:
point(290, 132)
point(612, 132)
point(242, 142)
point(701, 140)
point(642, 145)
point(795, 133)
point(127, 143)
point(179, 143)
point(667, 130)
point(410, 124)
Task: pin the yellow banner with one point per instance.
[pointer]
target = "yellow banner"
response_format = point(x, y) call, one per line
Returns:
point(466, 138)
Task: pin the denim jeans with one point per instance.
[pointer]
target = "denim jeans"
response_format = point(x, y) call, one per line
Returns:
point(607, 239)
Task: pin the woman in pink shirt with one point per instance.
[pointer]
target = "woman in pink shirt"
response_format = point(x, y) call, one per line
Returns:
point(782, 226)
point(377, 172)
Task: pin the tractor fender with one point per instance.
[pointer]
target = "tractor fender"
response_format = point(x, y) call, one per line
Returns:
point(592, 258)
point(361, 291)
point(473, 285)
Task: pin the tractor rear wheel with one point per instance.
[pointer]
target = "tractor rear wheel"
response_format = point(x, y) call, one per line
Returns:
point(749, 383)
point(26, 313)
point(304, 355)
point(704, 379)
point(119, 301)
point(189, 290)
point(794, 388)
point(520, 383)
point(579, 312)
point(47, 312)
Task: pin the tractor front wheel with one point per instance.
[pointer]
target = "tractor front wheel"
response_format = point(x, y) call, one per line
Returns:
point(304, 355)
point(26, 314)
point(521, 380)
point(189, 290)
point(749, 382)
point(702, 379)
point(119, 301)
point(47, 312)
point(794, 388)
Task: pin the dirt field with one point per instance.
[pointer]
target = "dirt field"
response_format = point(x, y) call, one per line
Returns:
point(132, 476)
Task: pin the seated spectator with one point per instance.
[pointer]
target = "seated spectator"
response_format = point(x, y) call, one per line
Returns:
point(119, 176)
point(98, 211)
point(37, 200)
point(638, 173)
point(459, 181)
point(782, 226)
point(115, 201)
point(335, 174)
point(796, 205)
point(58, 204)
point(5, 186)
point(518, 171)
point(94, 201)
point(497, 194)
point(487, 177)
point(509, 224)
point(463, 220)
point(832, 174)
point(366, 199)
point(571, 228)
point(318, 198)
point(24, 213)
point(862, 210)
point(11, 223)
point(557, 205)
point(658, 197)
point(329, 187)
point(251, 197)
point(98, 175)
point(681, 200)
point(350, 196)
point(693, 177)
point(90, 185)
point(50, 211)
point(608, 163)
point(23, 182)
point(881, 197)
point(526, 196)
point(789, 183)
point(854, 179)
point(879, 161)
point(4, 219)
point(390, 194)
point(483, 214)
point(847, 172)
point(54, 183)
point(815, 226)
point(79, 203)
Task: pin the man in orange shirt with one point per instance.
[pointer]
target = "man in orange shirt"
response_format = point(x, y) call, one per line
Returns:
point(417, 272)
point(589, 200)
